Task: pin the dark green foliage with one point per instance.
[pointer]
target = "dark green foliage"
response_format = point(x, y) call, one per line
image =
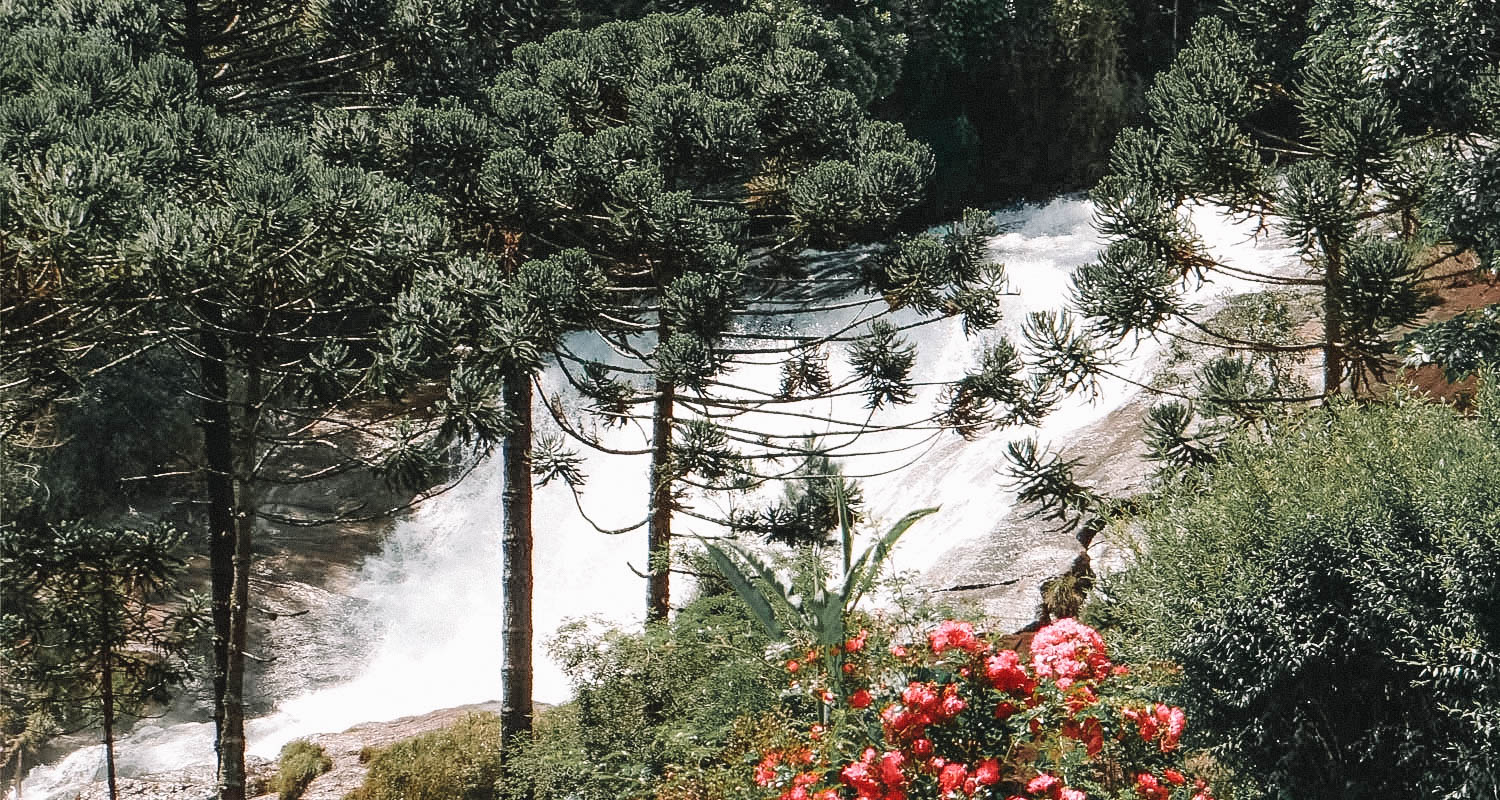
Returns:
point(1273, 110)
point(1044, 481)
point(995, 390)
point(883, 360)
point(1017, 98)
point(299, 764)
point(460, 762)
point(808, 511)
point(1168, 440)
point(1330, 593)
point(83, 642)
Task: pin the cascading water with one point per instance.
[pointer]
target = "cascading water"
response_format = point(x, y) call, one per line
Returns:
point(429, 604)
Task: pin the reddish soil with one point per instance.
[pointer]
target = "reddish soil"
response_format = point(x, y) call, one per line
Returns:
point(1458, 288)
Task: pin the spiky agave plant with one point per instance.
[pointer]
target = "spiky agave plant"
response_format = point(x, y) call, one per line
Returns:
point(822, 613)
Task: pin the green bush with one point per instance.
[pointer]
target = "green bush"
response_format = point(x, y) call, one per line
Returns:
point(1331, 594)
point(460, 762)
point(301, 761)
point(650, 704)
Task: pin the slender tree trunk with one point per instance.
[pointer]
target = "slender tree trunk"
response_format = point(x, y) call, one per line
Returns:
point(1333, 320)
point(107, 699)
point(516, 545)
point(232, 734)
point(659, 525)
point(232, 738)
point(218, 446)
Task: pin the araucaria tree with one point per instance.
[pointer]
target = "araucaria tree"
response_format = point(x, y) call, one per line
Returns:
point(694, 159)
point(81, 640)
point(1278, 114)
point(657, 182)
point(144, 216)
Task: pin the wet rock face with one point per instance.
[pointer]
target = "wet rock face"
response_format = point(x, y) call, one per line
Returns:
point(1003, 570)
point(186, 784)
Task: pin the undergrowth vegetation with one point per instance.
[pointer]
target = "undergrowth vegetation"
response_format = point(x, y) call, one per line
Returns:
point(300, 763)
point(1331, 595)
point(460, 762)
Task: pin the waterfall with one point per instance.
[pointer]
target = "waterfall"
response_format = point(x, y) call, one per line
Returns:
point(429, 603)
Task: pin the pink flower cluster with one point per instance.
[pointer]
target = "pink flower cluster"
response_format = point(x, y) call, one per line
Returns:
point(1069, 651)
point(955, 635)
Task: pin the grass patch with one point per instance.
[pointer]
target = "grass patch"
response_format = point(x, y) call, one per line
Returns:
point(460, 762)
point(301, 761)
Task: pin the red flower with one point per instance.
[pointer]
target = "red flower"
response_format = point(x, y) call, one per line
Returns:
point(1176, 723)
point(1071, 794)
point(1089, 731)
point(891, 768)
point(860, 698)
point(1004, 672)
point(857, 643)
point(828, 794)
point(987, 772)
point(1174, 776)
point(952, 777)
point(1004, 710)
point(1149, 788)
point(859, 777)
point(1044, 784)
point(919, 696)
point(952, 705)
point(792, 666)
point(921, 747)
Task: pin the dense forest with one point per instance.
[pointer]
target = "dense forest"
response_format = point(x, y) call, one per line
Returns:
point(253, 247)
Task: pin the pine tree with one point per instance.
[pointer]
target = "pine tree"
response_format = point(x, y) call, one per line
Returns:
point(149, 213)
point(81, 638)
point(1297, 132)
point(666, 172)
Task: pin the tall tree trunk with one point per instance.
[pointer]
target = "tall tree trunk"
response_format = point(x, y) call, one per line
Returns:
point(516, 546)
point(218, 447)
point(232, 733)
point(232, 737)
point(1333, 319)
point(659, 524)
point(107, 699)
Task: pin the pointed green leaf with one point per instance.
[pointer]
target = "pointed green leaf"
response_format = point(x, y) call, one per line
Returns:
point(863, 573)
point(759, 605)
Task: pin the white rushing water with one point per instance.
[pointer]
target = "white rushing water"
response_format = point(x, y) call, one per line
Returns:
point(433, 592)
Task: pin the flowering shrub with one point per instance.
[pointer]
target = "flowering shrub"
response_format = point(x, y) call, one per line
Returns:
point(957, 718)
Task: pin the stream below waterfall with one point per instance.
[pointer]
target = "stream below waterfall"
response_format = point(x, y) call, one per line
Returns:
point(429, 602)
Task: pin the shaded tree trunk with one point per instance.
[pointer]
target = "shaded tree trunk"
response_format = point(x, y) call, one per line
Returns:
point(232, 737)
point(1333, 320)
point(516, 547)
point(107, 700)
point(659, 524)
point(218, 447)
